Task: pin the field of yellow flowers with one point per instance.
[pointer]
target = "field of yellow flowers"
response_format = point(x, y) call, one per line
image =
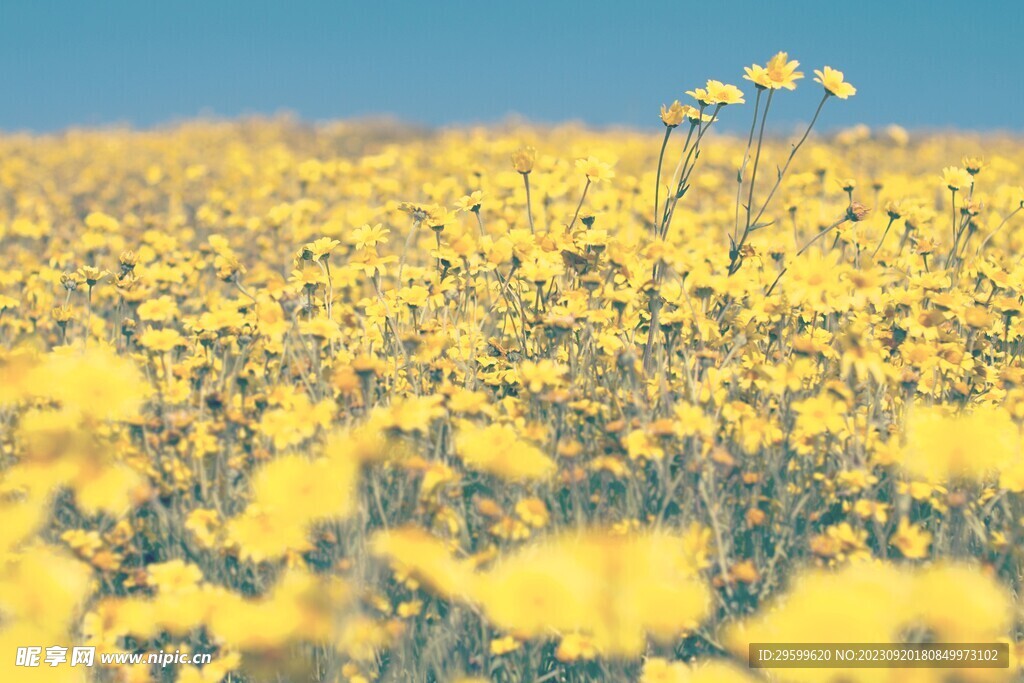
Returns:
point(359, 402)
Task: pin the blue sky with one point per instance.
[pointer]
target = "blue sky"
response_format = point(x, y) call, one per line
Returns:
point(144, 62)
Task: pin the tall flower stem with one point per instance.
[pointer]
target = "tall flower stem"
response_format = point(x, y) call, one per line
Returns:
point(580, 205)
point(529, 205)
point(405, 250)
point(885, 233)
point(743, 165)
point(88, 315)
point(822, 234)
point(757, 160)
point(676, 177)
point(984, 242)
point(953, 194)
point(792, 154)
point(959, 227)
point(657, 177)
point(689, 163)
point(736, 257)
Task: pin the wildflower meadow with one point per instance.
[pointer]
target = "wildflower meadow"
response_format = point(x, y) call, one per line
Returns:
point(356, 401)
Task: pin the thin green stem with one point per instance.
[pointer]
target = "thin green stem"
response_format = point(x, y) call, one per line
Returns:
point(405, 250)
point(822, 234)
point(757, 159)
point(984, 242)
point(953, 194)
point(688, 167)
point(580, 205)
point(529, 207)
point(743, 165)
point(657, 178)
point(677, 174)
point(792, 154)
point(736, 257)
point(884, 234)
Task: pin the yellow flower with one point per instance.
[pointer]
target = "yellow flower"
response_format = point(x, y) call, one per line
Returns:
point(973, 165)
point(409, 609)
point(832, 80)
point(869, 509)
point(611, 588)
point(940, 446)
point(303, 490)
point(538, 375)
point(97, 220)
point(160, 309)
point(504, 645)
point(362, 639)
point(911, 540)
point(985, 613)
point(758, 75)
point(717, 93)
point(498, 450)
point(263, 535)
point(956, 178)
point(414, 414)
point(300, 606)
point(717, 671)
point(319, 249)
point(439, 217)
point(415, 553)
point(414, 296)
point(84, 543)
point(695, 116)
point(779, 73)
point(369, 236)
point(595, 169)
point(91, 275)
point(574, 647)
point(321, 328)
point(470, 202)
point(161, 341)
point(1011, 477)
point(417, 212)
point(533, 511)
point(783, 73)
point(822, 414)
point(291, 425)
point(174, 576)
point(661, 670)
point(44, 587)
point(523, 159)
point(861, 603)
point(640, 444)
point(93, 382)
point(203, 524)
point(672, 115)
